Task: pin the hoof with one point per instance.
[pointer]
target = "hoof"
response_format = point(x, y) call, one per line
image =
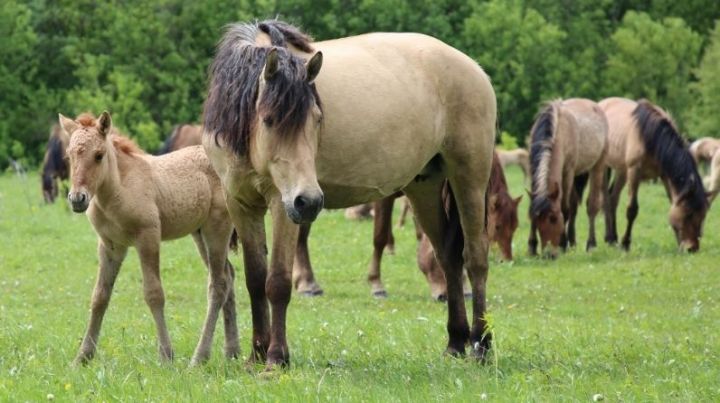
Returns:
point(166, 355)
point(390, 249)
point(380, 294)
point(440, 298)
point(311, 293)
point(590, 246)
point(82, 360)
point(625, 245)
point(454, 352)
point(232, 353)
point(481, 348)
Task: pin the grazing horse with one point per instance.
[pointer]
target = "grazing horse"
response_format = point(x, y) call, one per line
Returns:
point(182, 136)
point(54, 167)
point(712, 182)
point(703, 149)
point(519, 157)
point(134, 199)
point(568, 139)
point(645, 144)
point(389, 112)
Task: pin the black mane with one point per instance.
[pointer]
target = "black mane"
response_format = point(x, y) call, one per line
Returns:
point(541, 140)
point(663, 142)
point(55, 164)
point(230, 109)
point(170, 141)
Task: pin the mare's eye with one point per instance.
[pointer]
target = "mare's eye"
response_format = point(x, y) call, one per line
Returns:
point(268, 120)
point(98, 157)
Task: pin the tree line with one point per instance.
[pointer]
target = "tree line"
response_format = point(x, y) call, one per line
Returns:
point(146, 61)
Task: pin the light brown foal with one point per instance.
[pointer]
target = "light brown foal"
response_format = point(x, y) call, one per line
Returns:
point(134, 199)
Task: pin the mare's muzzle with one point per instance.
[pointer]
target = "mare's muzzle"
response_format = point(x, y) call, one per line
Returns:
point(79, 201)
point(304, 207)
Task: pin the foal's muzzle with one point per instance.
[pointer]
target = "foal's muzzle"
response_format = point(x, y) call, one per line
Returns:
point(304, 207)
point(79, 201)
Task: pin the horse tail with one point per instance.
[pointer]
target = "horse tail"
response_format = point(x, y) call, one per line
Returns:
point(542, 137)
point(453, 238)
point(170, 141)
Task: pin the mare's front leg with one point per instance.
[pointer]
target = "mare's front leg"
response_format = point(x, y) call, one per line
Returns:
point(382, 235)
point(111, 257)
point(303, 276)
point(148, 247)
point(633, 179)
point(278, 286)
point(250, 225)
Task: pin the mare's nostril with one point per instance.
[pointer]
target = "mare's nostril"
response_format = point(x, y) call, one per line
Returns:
point(300, 202)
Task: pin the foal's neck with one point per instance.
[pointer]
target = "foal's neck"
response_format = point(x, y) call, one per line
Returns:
point(111, 185)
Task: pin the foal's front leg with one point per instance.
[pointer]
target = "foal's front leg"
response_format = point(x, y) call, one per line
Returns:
point(278, 286)
point(148, 247)
point(111, 257)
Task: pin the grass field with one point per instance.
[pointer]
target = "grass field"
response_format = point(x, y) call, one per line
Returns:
point(638, 326)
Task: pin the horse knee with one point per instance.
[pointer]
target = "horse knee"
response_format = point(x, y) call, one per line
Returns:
point(155, 297)
point(278, 288)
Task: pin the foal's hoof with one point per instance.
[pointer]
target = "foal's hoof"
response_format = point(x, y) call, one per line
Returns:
point(82, 359)
point(590, 246)
point(480, 349)
point(440, 297)
point(625, 245)
point(380, 294)
point(312, 290)
point(611, 240)
point(390, 249)
point(166, 355)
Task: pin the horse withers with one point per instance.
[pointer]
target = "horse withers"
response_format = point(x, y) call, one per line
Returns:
point(285, 136)
point(568, 140)
point(645, 144)
point(136, 200)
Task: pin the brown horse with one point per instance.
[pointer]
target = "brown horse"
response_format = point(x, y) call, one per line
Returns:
point(182, 136)
point(54, 167)
point(134, 199)
point(285, 137)
point(568, 139)
point(645, 144)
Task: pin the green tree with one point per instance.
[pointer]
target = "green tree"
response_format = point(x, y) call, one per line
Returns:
point(654, 60)
point(705, 116)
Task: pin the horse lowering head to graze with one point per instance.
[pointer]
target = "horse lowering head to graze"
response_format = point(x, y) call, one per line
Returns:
point(502, 210)
point(182, 136)
point(568, 139)
point(54, 167)
point(133, 199)
point(387, 113)
point(645, 144)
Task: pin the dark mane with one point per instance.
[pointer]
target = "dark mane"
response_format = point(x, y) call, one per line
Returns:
point(230, 109)
point(663, 142)
point(54, 164)
point(170, 141)
point(541, 147)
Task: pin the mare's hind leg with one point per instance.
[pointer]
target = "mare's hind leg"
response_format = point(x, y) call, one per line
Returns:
point(382, 231)
point(610, 206)
point(148, 247)
point(594, 202)
point(212, 242)
point(250, 225)
point(111, 257)
point(426, 200)
point(303, 276)
point(633, 207)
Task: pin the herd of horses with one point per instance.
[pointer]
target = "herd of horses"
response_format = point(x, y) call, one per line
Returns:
point(294, 126)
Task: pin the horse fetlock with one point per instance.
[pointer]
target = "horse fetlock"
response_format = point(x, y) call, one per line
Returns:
point(480, 348)
point(83, 357)
point(166, 353)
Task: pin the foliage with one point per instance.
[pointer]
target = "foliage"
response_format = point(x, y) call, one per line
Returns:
point(508, 141)
point(705, 119)
point(146, 61)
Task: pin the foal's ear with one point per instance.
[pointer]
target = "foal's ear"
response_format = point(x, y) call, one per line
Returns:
point(104, 123)
point(271, 64)
point(313, 66)
point(67, 124)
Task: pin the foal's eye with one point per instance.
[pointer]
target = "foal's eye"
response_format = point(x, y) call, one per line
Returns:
point(98, 157)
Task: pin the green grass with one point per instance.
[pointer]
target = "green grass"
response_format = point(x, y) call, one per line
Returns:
point(630, 326)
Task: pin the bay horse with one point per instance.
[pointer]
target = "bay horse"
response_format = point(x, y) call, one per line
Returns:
point(389, 112)
point(644, 144)
point(182, 136)
point(135, 199)
point(568, 139)
point(54, 167)
point(519, 157)
point(502, 222)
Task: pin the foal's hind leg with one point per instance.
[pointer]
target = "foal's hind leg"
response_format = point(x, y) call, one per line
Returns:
point(303, 276)
point(382, 231)
point(111, 257)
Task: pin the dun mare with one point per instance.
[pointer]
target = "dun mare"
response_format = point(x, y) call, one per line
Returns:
point(182, 136)
point(712, 182)
point(502, 223)
point(287, 137)
point(54, 167)
point(703, 149)
point(568, 139)
point(645, 144)
point(134, 199)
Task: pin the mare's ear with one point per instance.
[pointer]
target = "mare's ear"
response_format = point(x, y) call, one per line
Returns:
point(271, 64)
point(554, 191)
point(313, 66)
point(516, 201)
point(104, 123)
point(67, 124)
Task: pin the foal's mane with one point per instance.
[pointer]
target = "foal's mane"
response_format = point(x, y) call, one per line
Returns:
point(663, 143)
point(542, 138)
point(120, 142)
point(232, 109)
